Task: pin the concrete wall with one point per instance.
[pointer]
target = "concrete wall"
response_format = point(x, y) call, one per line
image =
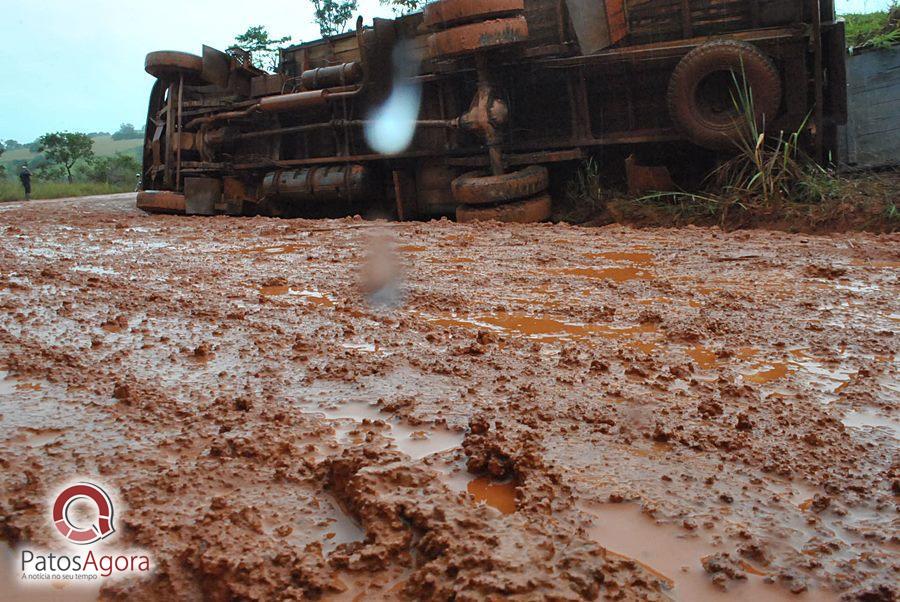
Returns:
point(872, 135)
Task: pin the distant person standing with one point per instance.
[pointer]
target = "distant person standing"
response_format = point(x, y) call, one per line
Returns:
point(25, 177)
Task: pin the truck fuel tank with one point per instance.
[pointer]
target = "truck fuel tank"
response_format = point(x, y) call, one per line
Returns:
point(320, 183)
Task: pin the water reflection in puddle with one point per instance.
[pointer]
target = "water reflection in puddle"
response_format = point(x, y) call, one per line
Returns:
point(339, 528)
point(674, 555)
point(93, 269)
point(415, 441)
point(272, 250)
point(617, 274)
point(828, 380)
point(17, 385)
point(869, 419)
point(314, 297)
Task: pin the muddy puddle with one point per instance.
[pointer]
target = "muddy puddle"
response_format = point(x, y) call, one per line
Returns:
point(540, 327)
point(641, 258)
point(272, 250)
point(865, 419)
point(351, 419)
point(496, 494)
point(307, 296)
point(675, 556)
point(616, 274)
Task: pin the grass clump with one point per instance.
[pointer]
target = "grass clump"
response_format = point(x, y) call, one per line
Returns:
point(771, 182)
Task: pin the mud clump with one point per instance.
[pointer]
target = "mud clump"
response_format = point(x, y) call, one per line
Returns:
point(457, 550)
point(723, 568)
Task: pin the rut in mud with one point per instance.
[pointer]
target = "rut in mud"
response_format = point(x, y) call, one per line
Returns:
point(350, 410)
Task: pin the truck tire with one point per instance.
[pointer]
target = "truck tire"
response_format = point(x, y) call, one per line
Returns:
point(528, 211)
point(170, 65)
point(444, 13)
point(701, 92)
point(475, 188)
point(478, 37)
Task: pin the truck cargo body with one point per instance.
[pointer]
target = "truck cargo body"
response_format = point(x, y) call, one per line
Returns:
point(563, 93)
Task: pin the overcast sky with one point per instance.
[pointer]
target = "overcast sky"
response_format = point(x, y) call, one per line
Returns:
point(78, 64)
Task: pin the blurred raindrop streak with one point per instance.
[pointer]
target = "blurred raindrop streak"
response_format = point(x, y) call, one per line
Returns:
point(393, 124)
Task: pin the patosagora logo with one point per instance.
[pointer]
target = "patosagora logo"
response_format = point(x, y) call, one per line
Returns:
point(82, 513)
point(75, 533)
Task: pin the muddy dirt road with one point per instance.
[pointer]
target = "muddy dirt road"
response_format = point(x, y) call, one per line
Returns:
point(347, 410)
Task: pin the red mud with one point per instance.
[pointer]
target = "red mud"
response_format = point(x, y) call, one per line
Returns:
point(524, 412)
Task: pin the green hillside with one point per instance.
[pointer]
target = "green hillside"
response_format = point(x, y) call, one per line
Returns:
point(104, 146)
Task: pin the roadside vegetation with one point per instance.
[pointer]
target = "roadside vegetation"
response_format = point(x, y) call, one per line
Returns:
point(65, 164)
point(11, 190)
point(873, 30)
point(769, 181)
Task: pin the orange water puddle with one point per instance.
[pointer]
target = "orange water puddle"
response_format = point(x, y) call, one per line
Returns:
point(274, 291)
point(674, 556)
point(313, 297)
point(271, 250)
point(661, 300)
point(746, 353)
point(637, 258)
point(767, 373)
point(703, 357)
point(541, 327)
point(457, 260)
point(617, 274)
point(497, 494)
point(28, 386)
point(647, 347)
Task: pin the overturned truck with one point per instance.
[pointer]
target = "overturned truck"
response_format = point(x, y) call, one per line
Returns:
point(503, 91)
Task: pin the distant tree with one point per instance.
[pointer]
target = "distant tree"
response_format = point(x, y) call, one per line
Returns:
point(2, 149)
point(332, 15)
point(66, 149)
point(404, 7)
point(12, 144)
point(48, 172)
point(264, 50)
point(127, 132)
point(118, 169)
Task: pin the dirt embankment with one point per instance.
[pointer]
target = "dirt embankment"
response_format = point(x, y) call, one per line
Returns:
point(344, 410)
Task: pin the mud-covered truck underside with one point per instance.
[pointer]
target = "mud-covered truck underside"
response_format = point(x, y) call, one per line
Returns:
point(504, 90)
